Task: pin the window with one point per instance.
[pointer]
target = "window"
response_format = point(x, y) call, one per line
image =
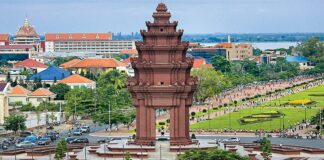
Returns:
point(161, 30)
point(161, 83)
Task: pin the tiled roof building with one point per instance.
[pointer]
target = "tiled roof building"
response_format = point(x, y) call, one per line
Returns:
point(77, 81)
point(51, 74)
point(96, 65)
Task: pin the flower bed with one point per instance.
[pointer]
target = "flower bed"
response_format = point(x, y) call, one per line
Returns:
point(300, 101)
point(255, 118)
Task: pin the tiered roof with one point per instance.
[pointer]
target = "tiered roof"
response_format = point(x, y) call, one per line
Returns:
point(26, 30)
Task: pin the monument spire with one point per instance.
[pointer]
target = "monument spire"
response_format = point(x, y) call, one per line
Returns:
point(162, 79)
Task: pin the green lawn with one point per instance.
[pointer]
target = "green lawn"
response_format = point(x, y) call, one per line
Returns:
point(292, 116)
point(319, 100)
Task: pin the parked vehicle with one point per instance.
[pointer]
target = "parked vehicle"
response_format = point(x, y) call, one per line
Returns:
point(31, 138)
point(81, 140)
point(25, 144)
point(44, 141)
point(106, 140)
point(25, 134)
point(51, 136)
point(85, 129)
point(233, 139)
point(257, 141)
point(77, 132)
point(69, 140)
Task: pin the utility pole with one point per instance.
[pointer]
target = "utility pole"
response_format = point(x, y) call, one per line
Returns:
point(320, 131)
point(109, 118)
point(74, 108)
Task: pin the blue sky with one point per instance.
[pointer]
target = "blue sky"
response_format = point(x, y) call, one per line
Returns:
point(194, 16)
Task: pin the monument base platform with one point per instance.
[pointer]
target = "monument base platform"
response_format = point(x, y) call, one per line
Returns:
point(181, 142)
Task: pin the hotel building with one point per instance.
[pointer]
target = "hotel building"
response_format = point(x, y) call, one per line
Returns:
point(99, 43)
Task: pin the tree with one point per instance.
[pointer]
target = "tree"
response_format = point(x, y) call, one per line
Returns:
point(265, 148)
point(61, 149)
point(210, 154)
point(220, 63)
point(8, 78)
point(210, 83)
point(15, 123)
point(115, 77)
point(60, 90)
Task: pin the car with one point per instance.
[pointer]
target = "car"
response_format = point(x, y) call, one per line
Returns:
point(44, 141)
point(85, 129)
point(116, 139)
point(107, 140)
point(25, 134)
point(77, 132)
point(69, 140)
point(51, 136)
point(257, 141)
point(81, 140)
point(25, 144)
point(234, 139)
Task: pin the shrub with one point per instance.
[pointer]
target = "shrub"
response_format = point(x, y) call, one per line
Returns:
point(204, 110)
point(193, 136)
point(265, 148)
point(161, 123)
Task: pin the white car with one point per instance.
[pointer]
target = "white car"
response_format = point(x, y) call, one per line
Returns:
point(85, 129)
point(25, 144)
point(234, 139)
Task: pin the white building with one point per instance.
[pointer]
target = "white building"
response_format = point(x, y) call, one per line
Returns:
point(100, 43)
point(4, 107)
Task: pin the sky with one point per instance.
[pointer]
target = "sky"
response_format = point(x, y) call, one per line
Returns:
point(194, 16)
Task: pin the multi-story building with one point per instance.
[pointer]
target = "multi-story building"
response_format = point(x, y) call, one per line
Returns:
point(234, 51)
point(17, 52)
point(100, 43)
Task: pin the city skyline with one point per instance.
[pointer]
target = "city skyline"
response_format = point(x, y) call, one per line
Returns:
point(197, 17)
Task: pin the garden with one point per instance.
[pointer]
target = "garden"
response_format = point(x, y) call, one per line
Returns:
point(286, 117)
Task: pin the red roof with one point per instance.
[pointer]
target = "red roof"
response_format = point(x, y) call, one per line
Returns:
point(42, 92)
point(75, 79)
point(127, 60)
point(4, 37)
point(199, 63)
point(78, 36)
point(17, 47)
point(98, 63)
point(70, 63)
point(19, 90)
point(30, 63)
point(129, 51)
point(224, 45)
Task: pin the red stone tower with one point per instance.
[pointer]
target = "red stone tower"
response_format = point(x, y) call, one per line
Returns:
point(162, 79)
